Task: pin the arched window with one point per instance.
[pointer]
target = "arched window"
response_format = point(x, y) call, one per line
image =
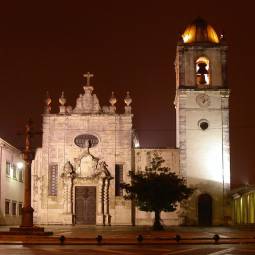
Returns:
point(202, 72)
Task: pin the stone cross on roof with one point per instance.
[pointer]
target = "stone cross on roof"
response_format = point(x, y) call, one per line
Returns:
point(88, 76)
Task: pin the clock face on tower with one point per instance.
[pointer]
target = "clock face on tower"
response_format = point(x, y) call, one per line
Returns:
point(203, 100)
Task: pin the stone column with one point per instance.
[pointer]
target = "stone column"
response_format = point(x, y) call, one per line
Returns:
point(27, 210)
point(106, 201)
point(101, 201)
point(65, 194)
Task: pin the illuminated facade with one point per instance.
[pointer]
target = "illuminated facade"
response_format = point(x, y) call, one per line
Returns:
point(202, 122)
point(88, 150)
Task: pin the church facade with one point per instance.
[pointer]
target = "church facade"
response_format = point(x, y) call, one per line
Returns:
point(88, 150)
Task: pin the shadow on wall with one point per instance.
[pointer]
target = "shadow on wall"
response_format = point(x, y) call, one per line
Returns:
point(210, 204)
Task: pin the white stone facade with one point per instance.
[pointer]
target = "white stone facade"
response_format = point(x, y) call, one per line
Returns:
point(12, 186)
point(202, 123)
point(66, 150)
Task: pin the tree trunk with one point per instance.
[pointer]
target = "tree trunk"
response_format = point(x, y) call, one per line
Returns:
point(157, 224)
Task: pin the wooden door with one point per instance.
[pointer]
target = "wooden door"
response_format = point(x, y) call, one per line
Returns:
point(85, 205)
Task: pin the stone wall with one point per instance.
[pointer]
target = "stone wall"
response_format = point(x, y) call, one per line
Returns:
point(143, 157)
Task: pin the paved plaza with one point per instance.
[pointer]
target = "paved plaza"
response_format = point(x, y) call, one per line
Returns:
point(124, 240)
point(126, 250)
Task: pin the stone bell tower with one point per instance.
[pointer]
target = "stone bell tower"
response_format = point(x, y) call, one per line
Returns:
point(202, 122)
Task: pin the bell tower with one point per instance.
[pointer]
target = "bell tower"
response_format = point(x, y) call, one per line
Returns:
point(202, 121)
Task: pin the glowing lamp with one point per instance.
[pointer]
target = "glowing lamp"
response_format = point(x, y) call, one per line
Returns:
point(20, 165)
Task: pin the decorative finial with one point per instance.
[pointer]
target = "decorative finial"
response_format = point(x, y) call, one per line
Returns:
point(62, 99)
point(113, 99)
point(88, 76)
point(128, 99)
point(47, 107)
point(47, 99)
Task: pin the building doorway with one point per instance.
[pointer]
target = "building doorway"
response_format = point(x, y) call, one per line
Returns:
point(205, 210)
point(85, 205)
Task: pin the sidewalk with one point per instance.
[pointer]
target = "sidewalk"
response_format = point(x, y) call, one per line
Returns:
point(127, 235)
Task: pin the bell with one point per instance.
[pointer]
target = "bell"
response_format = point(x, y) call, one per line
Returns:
point(201, 73)
point(202, 68)
point(201, 79)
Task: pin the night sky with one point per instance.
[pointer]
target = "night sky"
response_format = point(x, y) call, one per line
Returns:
point(128, 45)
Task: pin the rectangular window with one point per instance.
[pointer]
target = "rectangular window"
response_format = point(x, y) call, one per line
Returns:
point(20, 208)
point(8, 168)
point(148, 159)
point(118, 179)
point(14, 208)
point(53, 180)
point(7, 207)
point(20, 175)
point(14, 171)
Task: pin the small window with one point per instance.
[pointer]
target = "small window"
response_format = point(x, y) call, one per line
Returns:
point(148, 159)
point(53, 180)
point(202, 72)
point(8, 168)
point(14, 208)
point(118, 180)
point(20, 209)
point(203, 124)
point(7, 207)
point(20, 175)
point(14, 172)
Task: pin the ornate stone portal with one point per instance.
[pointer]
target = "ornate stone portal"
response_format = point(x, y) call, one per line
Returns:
point(87, 170)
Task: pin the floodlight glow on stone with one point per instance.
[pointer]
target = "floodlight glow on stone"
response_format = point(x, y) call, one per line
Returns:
point(200, 31)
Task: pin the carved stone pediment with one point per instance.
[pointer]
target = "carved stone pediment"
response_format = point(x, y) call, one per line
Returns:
point(86, 167)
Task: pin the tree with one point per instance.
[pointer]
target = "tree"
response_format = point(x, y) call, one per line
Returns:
point(156, 189)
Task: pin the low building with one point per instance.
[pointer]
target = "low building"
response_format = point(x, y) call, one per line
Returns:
point(244, 205)
point(12, 186)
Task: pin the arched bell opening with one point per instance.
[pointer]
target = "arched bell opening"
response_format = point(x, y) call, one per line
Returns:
point(202, 72)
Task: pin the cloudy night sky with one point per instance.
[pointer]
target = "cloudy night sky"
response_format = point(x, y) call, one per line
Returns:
point(128, 46)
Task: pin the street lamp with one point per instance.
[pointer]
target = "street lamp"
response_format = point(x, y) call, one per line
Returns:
point(20, 165)
point(27, 226)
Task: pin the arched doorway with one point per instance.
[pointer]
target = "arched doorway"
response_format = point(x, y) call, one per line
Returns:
point(205, 210)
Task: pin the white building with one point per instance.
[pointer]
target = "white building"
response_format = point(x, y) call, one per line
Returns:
point(76, 185)
point(11, 190)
